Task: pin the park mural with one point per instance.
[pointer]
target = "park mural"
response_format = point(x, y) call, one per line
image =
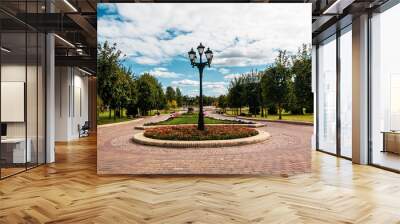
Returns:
point(199, 88)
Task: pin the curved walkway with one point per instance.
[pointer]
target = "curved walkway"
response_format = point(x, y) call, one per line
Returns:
point(288, 152)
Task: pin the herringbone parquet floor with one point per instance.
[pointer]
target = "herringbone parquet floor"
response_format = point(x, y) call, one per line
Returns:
point(69, 191)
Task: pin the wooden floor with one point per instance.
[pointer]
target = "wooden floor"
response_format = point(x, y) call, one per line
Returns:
point(69, 191)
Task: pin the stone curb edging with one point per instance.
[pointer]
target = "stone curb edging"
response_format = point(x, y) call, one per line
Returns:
point(141, 139)
point(119, 123)
point(257, 125)
point(277, 121)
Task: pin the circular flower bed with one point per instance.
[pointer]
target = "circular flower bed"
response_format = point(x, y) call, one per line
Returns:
point(190, 133)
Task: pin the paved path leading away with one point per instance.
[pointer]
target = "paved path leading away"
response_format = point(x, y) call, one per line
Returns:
point(287, 152)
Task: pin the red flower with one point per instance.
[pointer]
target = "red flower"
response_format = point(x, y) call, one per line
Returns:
point(190, 133)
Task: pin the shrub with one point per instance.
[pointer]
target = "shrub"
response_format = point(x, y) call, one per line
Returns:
point(132, 110)
point(190, 133)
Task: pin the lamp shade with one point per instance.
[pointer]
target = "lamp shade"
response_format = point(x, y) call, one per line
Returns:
point(200, 48)
point(192, 54)
point(209, 55)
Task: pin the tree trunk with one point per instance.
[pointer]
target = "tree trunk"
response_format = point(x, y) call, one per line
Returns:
point(109, 113)
point(117, 112)
point(280, 112)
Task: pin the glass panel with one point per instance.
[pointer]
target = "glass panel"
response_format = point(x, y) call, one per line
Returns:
point(385, 87)
point(31, 98)
point(13, 86)
point(41, 99)
point(22, 88)
point(346, 93)
point(32, 89)
point(327, 95)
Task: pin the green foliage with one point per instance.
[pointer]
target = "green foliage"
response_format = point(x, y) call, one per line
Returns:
point(207, 100)
point(170, 94)
point(236, 95)
point(108, 64)
point(302, 96)
point(188, 101)
point(172, 104)
point(252, 92)
point(179, 98)
point(160, 99)
point(150, 94)
point(275, 82)
point(99, 103)
point(284, 85)
point(115, 83)
point(223, 102)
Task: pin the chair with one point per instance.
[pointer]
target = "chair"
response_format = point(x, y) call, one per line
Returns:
point(84, 130)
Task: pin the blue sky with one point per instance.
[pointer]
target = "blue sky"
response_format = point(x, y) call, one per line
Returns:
point(156, 38)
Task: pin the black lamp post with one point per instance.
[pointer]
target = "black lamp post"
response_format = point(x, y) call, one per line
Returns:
point(200, 65)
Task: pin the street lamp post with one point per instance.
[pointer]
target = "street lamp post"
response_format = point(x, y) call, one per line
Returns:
point(200, 65)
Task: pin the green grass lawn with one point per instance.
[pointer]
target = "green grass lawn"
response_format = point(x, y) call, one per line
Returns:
point(285, 116)
point(153, 112)
point(103, 118)
point(192, 119)
point(290, 117)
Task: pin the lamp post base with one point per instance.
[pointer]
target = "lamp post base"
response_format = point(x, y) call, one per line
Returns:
point(200, 124)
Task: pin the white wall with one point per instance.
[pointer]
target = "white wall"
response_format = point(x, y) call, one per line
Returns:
point(17, 73)
point(71, 102)
point(62, 82)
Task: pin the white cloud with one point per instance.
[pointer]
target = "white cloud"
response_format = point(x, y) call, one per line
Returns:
point(223, 70)
point(164, 73)
point(212, 88)
point(232, 76)
point(193, 93)
point(237, 39)
point(185, 82)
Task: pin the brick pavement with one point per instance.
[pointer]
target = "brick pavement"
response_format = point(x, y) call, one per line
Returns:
point(288, 152)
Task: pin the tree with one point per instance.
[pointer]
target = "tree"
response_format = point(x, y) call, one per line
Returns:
point(179, 98)
point(170, 94)
point(132, 95)
point(236, 95)
point(251, 84)
point(123, 92)
point(301, 96)
point(161, 101)
point(172, 104)
point(100, 106)
point(147, 87)
point(275, 82)
point(223, 102)
point(108, 62)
